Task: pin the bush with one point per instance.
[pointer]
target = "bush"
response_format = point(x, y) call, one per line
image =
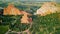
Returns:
point(3, 29)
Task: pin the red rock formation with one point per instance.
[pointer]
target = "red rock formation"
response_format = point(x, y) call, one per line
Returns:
point(11, 10)
point(25, 17)
point(47, 8)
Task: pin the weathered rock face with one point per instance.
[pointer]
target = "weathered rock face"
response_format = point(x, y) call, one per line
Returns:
point(11, 10)
point(47, 8)
point(25, 18)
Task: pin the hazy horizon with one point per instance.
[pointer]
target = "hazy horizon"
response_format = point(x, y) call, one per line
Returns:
point(29, 0)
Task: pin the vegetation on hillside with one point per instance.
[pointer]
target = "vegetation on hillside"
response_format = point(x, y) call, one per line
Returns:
point(49, 24)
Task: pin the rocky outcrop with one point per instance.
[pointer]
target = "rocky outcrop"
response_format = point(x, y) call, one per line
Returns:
point(47, 8)
point(25, 17)
point(11, 10)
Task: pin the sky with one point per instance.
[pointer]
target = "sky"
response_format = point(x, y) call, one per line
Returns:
point(31, 0)
point(35, 0)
